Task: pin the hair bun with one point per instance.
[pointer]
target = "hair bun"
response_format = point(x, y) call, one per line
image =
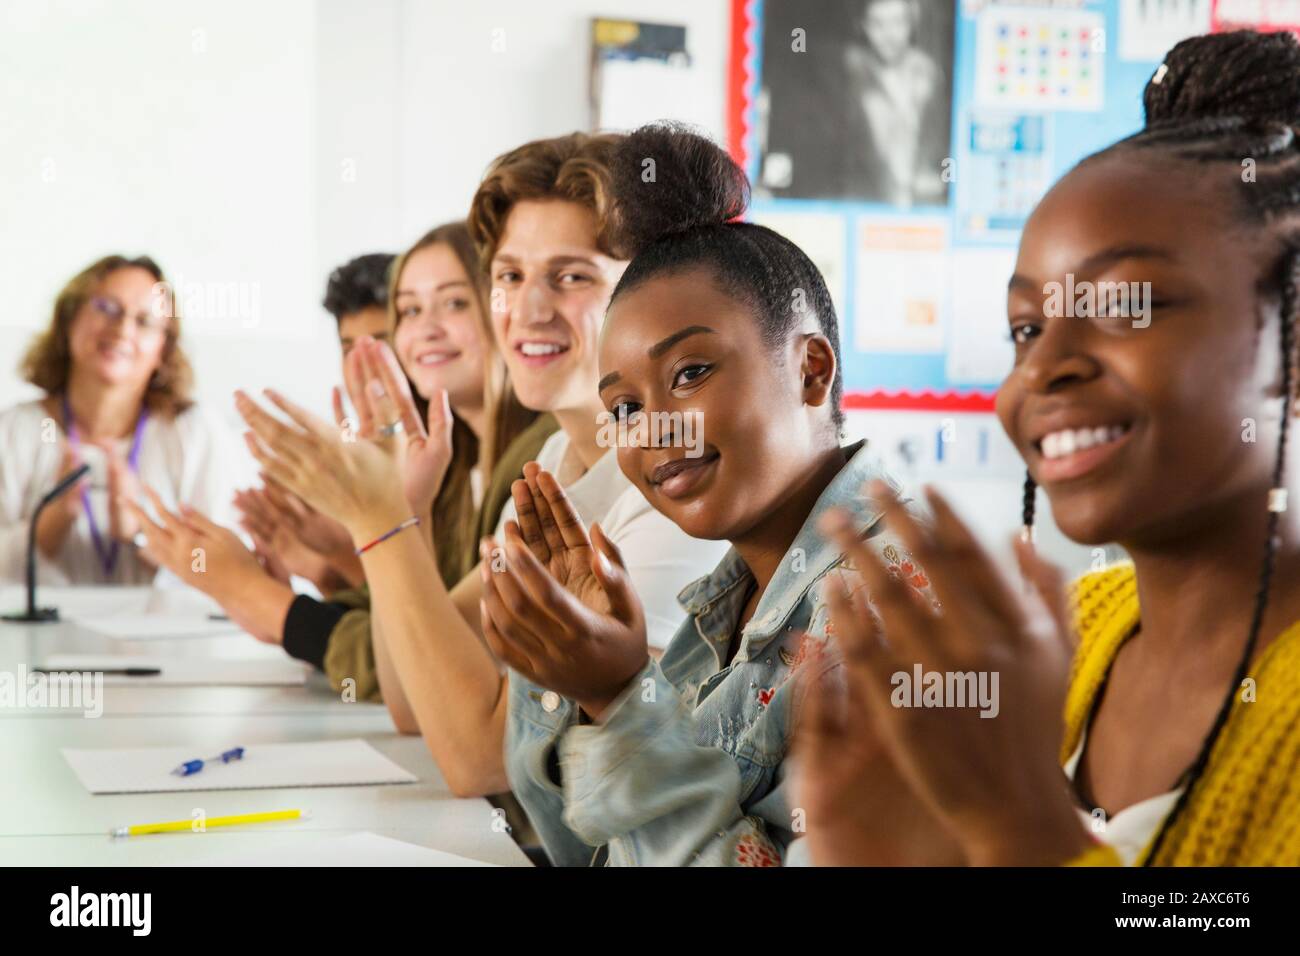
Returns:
point(668, 178)
point(1244, 74)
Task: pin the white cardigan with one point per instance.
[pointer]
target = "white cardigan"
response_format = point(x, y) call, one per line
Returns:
point(188, 459)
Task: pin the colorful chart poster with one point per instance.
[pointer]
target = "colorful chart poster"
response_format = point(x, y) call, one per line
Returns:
point(1149, 28)
point(1040, 59)
point(902, 285)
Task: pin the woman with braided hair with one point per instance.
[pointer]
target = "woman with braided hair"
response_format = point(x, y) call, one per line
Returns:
point(1181, 733)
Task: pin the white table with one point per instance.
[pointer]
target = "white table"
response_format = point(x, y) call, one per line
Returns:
point(28, 644)
point(48, 818)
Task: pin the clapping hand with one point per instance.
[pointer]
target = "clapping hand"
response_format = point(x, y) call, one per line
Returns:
point(991, 777)
point(558, 605)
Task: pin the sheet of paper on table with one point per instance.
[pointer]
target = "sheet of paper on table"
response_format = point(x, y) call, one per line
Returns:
point(145, 627)
point(321, 763)
point(187, 672)
point(357, 849)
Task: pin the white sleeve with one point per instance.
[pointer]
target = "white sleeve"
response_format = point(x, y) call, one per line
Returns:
point(13, 550)
point(15, 477)
point(28, 467)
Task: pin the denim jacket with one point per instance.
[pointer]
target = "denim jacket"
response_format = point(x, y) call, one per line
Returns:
point(688, 767)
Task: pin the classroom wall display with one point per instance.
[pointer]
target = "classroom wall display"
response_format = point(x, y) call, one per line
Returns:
point(907, 141)
point(901, 285)
point(1041, 60)
point(820, 236)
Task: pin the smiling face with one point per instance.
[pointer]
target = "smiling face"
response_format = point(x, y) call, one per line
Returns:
point(1130, 430)
point(550, 288)
point(677, 346)
point(119, 333)
point(438, 338)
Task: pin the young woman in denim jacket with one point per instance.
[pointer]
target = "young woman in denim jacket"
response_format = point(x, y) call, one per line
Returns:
point(728, 326)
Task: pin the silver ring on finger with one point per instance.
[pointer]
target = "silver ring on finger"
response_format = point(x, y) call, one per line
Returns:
point(392, 428)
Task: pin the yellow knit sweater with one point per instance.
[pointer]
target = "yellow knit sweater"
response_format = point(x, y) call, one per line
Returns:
point(1245, 810)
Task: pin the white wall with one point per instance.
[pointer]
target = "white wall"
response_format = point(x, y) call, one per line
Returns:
point(487, 102)
point(251, 146)
point(147, 127)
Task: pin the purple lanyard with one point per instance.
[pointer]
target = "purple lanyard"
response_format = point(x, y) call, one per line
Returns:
point(107, 554)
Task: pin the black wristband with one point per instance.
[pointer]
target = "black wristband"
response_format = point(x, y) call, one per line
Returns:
point(307, 629)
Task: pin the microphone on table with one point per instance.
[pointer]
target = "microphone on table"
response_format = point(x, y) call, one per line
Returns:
point(34, 614)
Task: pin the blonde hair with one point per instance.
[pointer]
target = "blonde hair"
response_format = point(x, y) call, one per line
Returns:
point(47, 364)
point(503, 416)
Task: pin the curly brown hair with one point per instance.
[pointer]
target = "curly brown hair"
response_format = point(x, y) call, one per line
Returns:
point(575, 168)
point(48, 361)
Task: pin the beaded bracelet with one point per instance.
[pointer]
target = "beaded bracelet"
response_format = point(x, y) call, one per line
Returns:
point(413, 520)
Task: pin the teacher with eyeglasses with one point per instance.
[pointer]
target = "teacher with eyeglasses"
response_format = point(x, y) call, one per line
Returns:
point(117, 397)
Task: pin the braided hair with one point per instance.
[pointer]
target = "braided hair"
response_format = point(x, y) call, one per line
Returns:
point(1224, 99)
point(686, 215)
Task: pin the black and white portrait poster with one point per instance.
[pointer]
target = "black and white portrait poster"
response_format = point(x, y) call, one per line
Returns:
point(855, 100)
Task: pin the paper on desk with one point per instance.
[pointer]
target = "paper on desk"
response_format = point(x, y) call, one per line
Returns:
point(188, 671)
point(320, 763)
point(357, 849)
point(144, 627)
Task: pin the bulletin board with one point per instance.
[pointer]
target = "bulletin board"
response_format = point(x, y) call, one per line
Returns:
point(904, 152)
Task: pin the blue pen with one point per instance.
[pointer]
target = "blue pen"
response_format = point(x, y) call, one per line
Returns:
point(194, 766)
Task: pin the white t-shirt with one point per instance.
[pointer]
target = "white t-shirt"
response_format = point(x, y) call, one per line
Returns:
point(186, 459)
point(1129, 831)
point(661, 558)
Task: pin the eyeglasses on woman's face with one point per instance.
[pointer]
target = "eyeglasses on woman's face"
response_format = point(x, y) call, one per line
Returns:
point(151, 321)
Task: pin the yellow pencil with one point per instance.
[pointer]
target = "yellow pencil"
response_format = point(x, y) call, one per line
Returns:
point(198, 825)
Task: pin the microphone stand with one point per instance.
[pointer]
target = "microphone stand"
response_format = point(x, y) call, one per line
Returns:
point(34, 614)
